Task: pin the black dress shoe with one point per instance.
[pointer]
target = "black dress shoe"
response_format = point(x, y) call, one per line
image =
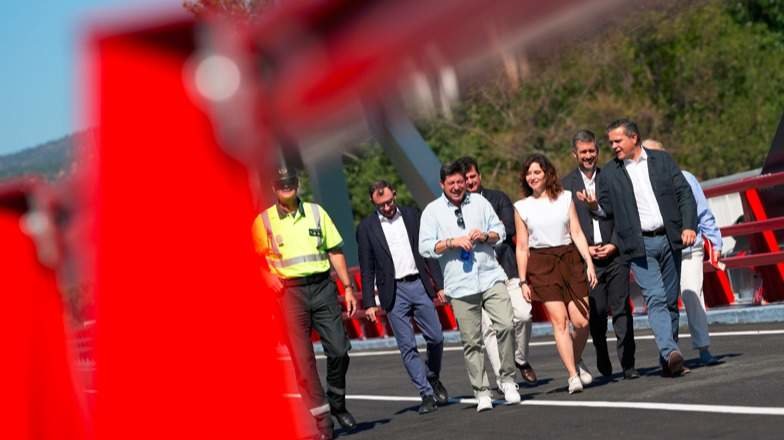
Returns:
point(631, 373)
point(325, 427)
point(428, 405)
point(346, 420)
point(527, 373)
point(604, 365)
point(441, 395)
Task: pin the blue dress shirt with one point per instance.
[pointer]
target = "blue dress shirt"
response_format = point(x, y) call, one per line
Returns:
point(706, 221)
point(480, 270)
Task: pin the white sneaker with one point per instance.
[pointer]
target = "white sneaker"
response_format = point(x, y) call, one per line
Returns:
point(484, 403)
point(585, 376)
point(511, 395)
point(575, 384)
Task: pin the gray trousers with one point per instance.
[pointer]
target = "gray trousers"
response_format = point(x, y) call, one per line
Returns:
point(468, 312)
point(522, 320)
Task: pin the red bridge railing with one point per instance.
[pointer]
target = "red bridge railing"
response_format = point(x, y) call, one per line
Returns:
point(766, 257)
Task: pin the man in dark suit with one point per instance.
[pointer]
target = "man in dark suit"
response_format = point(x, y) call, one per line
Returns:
point(655, 216)
point(406, 284)
point(612, 270)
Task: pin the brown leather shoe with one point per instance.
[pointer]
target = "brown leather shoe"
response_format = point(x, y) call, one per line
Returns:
point(528, 373)
point(675, 364)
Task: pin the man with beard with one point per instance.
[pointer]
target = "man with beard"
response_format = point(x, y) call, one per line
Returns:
point(406, 284)
point(612, 269)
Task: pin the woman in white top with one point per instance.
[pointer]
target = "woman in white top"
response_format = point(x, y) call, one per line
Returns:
point(552, 271)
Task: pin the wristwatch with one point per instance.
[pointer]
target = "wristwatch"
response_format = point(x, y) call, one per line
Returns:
point(522, 282)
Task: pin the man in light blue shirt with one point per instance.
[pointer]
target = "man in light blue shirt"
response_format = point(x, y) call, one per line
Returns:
point(691, 266)
point(460, 229)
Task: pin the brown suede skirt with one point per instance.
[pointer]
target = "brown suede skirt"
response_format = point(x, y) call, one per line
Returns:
point(557, 274)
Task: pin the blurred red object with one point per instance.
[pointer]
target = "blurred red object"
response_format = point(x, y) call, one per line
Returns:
point(185, 347)
point(41, 400)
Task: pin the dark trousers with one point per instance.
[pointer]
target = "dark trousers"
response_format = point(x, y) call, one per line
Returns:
point(612, 291)
point(315, 306)
point(411, 301)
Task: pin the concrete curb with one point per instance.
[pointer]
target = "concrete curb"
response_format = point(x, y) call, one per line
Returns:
point(737, 314)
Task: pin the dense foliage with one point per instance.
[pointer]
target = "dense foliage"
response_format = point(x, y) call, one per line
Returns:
point(706, 79)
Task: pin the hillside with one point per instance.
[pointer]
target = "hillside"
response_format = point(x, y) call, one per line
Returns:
point(50, 160)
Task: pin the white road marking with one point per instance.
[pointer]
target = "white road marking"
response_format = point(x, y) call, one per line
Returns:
point(720, 409)
point(681, 407)
point(545, 343)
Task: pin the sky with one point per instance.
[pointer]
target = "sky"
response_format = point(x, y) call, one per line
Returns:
point(39, 46)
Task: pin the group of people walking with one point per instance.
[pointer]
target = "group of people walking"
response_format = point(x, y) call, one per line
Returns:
point(569, 244)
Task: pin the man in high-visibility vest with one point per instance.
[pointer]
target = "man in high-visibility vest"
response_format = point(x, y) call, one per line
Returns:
point(299, 241)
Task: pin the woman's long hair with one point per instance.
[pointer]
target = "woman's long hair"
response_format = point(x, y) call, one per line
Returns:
point(552, 185)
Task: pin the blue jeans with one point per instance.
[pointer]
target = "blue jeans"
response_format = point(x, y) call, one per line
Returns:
point(658, 274)
point(411, 300)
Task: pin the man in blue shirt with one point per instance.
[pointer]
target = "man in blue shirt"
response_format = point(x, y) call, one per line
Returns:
point(691, 266)
point(460, 229)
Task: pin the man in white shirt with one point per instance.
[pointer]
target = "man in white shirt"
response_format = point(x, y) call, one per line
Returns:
point(655, 217)
point(691, 267)
point(407, 285)
point(612, 270)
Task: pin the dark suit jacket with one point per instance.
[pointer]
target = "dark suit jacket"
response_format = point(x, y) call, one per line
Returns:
point(375, 260)
point(673, 194)
point(574, 183)
point(505, 252)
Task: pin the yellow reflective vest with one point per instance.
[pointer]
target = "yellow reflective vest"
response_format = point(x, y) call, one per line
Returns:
point(296, 244)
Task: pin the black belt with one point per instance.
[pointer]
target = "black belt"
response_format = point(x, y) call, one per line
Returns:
point(654, 233)
point(306, 280)
point(409, 278)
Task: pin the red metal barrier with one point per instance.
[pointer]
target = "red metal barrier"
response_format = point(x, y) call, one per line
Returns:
point(767, 259)
point(39, 391)
point(360, 327)
point(184, 344)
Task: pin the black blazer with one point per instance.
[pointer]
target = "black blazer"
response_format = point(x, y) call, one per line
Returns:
point(673, 194)
point(505, 251)
point(574, 183)
point(375, 260)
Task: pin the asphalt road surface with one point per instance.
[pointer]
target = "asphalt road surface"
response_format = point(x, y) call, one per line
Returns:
point(741, 398)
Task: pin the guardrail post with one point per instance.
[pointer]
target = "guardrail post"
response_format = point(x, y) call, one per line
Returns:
point(772, 277)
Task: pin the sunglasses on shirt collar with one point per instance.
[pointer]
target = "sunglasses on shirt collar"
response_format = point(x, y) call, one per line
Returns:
point(460, 220)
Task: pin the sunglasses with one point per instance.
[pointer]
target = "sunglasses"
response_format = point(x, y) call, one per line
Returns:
point(459, 215)
point(286, 185)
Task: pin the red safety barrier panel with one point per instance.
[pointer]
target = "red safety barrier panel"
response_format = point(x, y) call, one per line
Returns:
point(360, 327)
point(764, 244)
point(380, 328)
point(185, 347)
point(39, 393)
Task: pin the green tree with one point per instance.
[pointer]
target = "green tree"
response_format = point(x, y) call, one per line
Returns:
point(239, 9)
